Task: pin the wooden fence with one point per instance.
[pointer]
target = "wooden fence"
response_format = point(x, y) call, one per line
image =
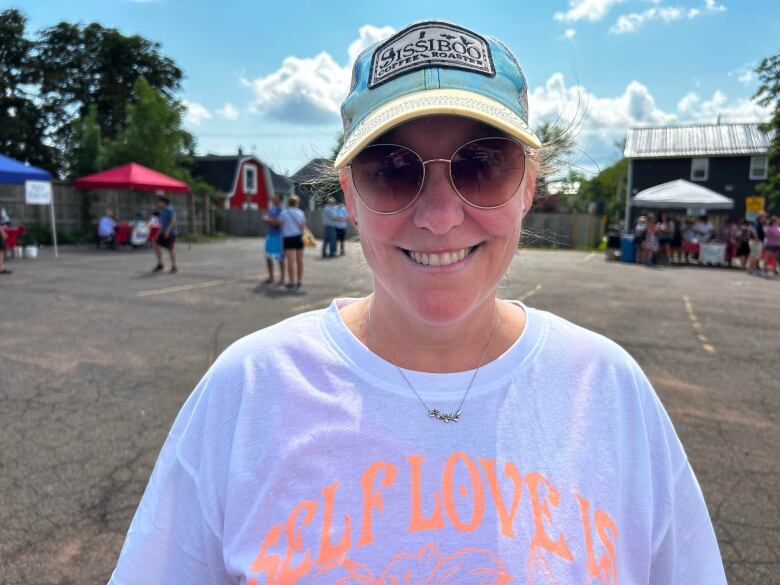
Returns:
point(564, 230)
point(78, 211)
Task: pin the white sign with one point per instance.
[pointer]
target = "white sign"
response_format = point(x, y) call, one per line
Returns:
point(712, 253)
point(37, 192)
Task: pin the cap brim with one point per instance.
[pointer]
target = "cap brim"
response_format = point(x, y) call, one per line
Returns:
point(453, 102)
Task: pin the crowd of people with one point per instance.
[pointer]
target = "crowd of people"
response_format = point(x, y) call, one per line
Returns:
point(754, 245)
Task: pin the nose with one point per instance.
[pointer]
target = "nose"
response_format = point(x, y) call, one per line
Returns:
point(438, 208)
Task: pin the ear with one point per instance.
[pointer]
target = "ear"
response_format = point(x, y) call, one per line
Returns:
point(349, 196)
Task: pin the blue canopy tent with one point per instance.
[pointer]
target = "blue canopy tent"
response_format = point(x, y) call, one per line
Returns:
point(17, 173)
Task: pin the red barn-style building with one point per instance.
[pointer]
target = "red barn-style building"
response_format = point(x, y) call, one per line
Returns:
point(244, 180)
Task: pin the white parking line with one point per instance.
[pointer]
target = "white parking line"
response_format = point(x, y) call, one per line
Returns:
point(589, 257)
point(528, 294)
point(705, 344)
point(184, 287)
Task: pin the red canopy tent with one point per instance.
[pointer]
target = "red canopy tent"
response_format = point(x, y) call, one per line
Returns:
point(131, 176)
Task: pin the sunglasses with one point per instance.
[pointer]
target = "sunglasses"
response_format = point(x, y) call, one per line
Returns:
point(486, 173)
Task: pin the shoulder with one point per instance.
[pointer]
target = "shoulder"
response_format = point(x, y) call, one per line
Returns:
point(570, 338)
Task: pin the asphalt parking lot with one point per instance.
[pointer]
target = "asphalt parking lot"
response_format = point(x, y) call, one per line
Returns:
point(97, 355)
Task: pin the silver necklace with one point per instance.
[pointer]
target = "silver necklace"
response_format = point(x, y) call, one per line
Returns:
point(433, 412)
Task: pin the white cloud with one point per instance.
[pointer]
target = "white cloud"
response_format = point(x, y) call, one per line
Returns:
point(745, 74)
point(195, 113)
point(599, 122)
point(590, 10)
point(228, 112)
point(310, 90)
point(693, 108)
point(627, 23)
point(746, 77)
point(569, 33)
point(368, 35)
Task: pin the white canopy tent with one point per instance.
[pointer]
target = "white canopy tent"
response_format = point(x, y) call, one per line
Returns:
point(681, 194)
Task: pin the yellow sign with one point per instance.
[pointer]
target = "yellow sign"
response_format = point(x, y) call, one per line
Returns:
point(754, 204)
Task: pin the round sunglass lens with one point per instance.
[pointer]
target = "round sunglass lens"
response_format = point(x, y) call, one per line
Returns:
point(387, 177)
point(487, 172)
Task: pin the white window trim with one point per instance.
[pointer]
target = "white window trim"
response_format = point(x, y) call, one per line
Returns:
point(247, 168)
point(763, 176)
point(706, 169)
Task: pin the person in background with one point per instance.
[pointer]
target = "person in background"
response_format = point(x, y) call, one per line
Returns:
point(665, 236)
point(640, 230)
point(704, 229)
point(342, 217)
point(649, 247)
point(429, 432)
point(756, 243)
point(106, 230)
point(676, 243)
point(167, 236)
point(728, 235)
point(154, 219)
point(4, 219)
point(772, 245)
point(293, 221)
point(273, 240)
point(329, 220)
point(690, 245)
point(3, 240)
point(743, 243)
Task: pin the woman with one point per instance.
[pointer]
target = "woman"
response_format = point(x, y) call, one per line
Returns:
point(293, 223)
point(728, 234)
point(743, 243)
point(665, 237)
point(772, 245)
point(649, 247)
point(429, 433)
point(273, 240)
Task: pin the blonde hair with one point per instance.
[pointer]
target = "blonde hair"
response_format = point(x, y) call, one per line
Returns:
point(293, 201)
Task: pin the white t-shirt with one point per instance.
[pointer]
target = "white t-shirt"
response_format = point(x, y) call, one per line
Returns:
point(292, 218)
point(302, 457)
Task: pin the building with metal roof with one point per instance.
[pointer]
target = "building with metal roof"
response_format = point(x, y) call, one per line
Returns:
point(697, 140)
point(730, 159)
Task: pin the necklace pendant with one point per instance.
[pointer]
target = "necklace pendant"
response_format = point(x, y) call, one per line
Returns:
point(443, 416)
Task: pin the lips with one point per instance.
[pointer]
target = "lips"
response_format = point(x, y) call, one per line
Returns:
point(440, 258)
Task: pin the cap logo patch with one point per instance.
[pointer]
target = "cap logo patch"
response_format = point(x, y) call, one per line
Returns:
point(430, 44)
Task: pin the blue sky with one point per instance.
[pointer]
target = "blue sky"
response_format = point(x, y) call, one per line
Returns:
point(268, 76)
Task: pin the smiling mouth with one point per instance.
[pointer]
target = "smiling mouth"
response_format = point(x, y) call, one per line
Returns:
point(441, 259)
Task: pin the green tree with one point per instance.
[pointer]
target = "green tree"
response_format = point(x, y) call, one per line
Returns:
point(83, 154)
point(85, 65)
point(557, 148)
point(768, 94)
point(152, 135)
point(23, 124)
point(606, 190)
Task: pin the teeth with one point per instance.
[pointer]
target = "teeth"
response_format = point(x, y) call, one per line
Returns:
point(440, 259)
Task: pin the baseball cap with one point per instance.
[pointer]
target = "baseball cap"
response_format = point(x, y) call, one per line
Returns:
point(433, 68)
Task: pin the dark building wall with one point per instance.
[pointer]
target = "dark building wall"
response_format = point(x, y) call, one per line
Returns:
point(723, 172)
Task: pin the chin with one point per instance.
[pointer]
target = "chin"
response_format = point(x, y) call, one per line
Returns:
point(440, 307)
